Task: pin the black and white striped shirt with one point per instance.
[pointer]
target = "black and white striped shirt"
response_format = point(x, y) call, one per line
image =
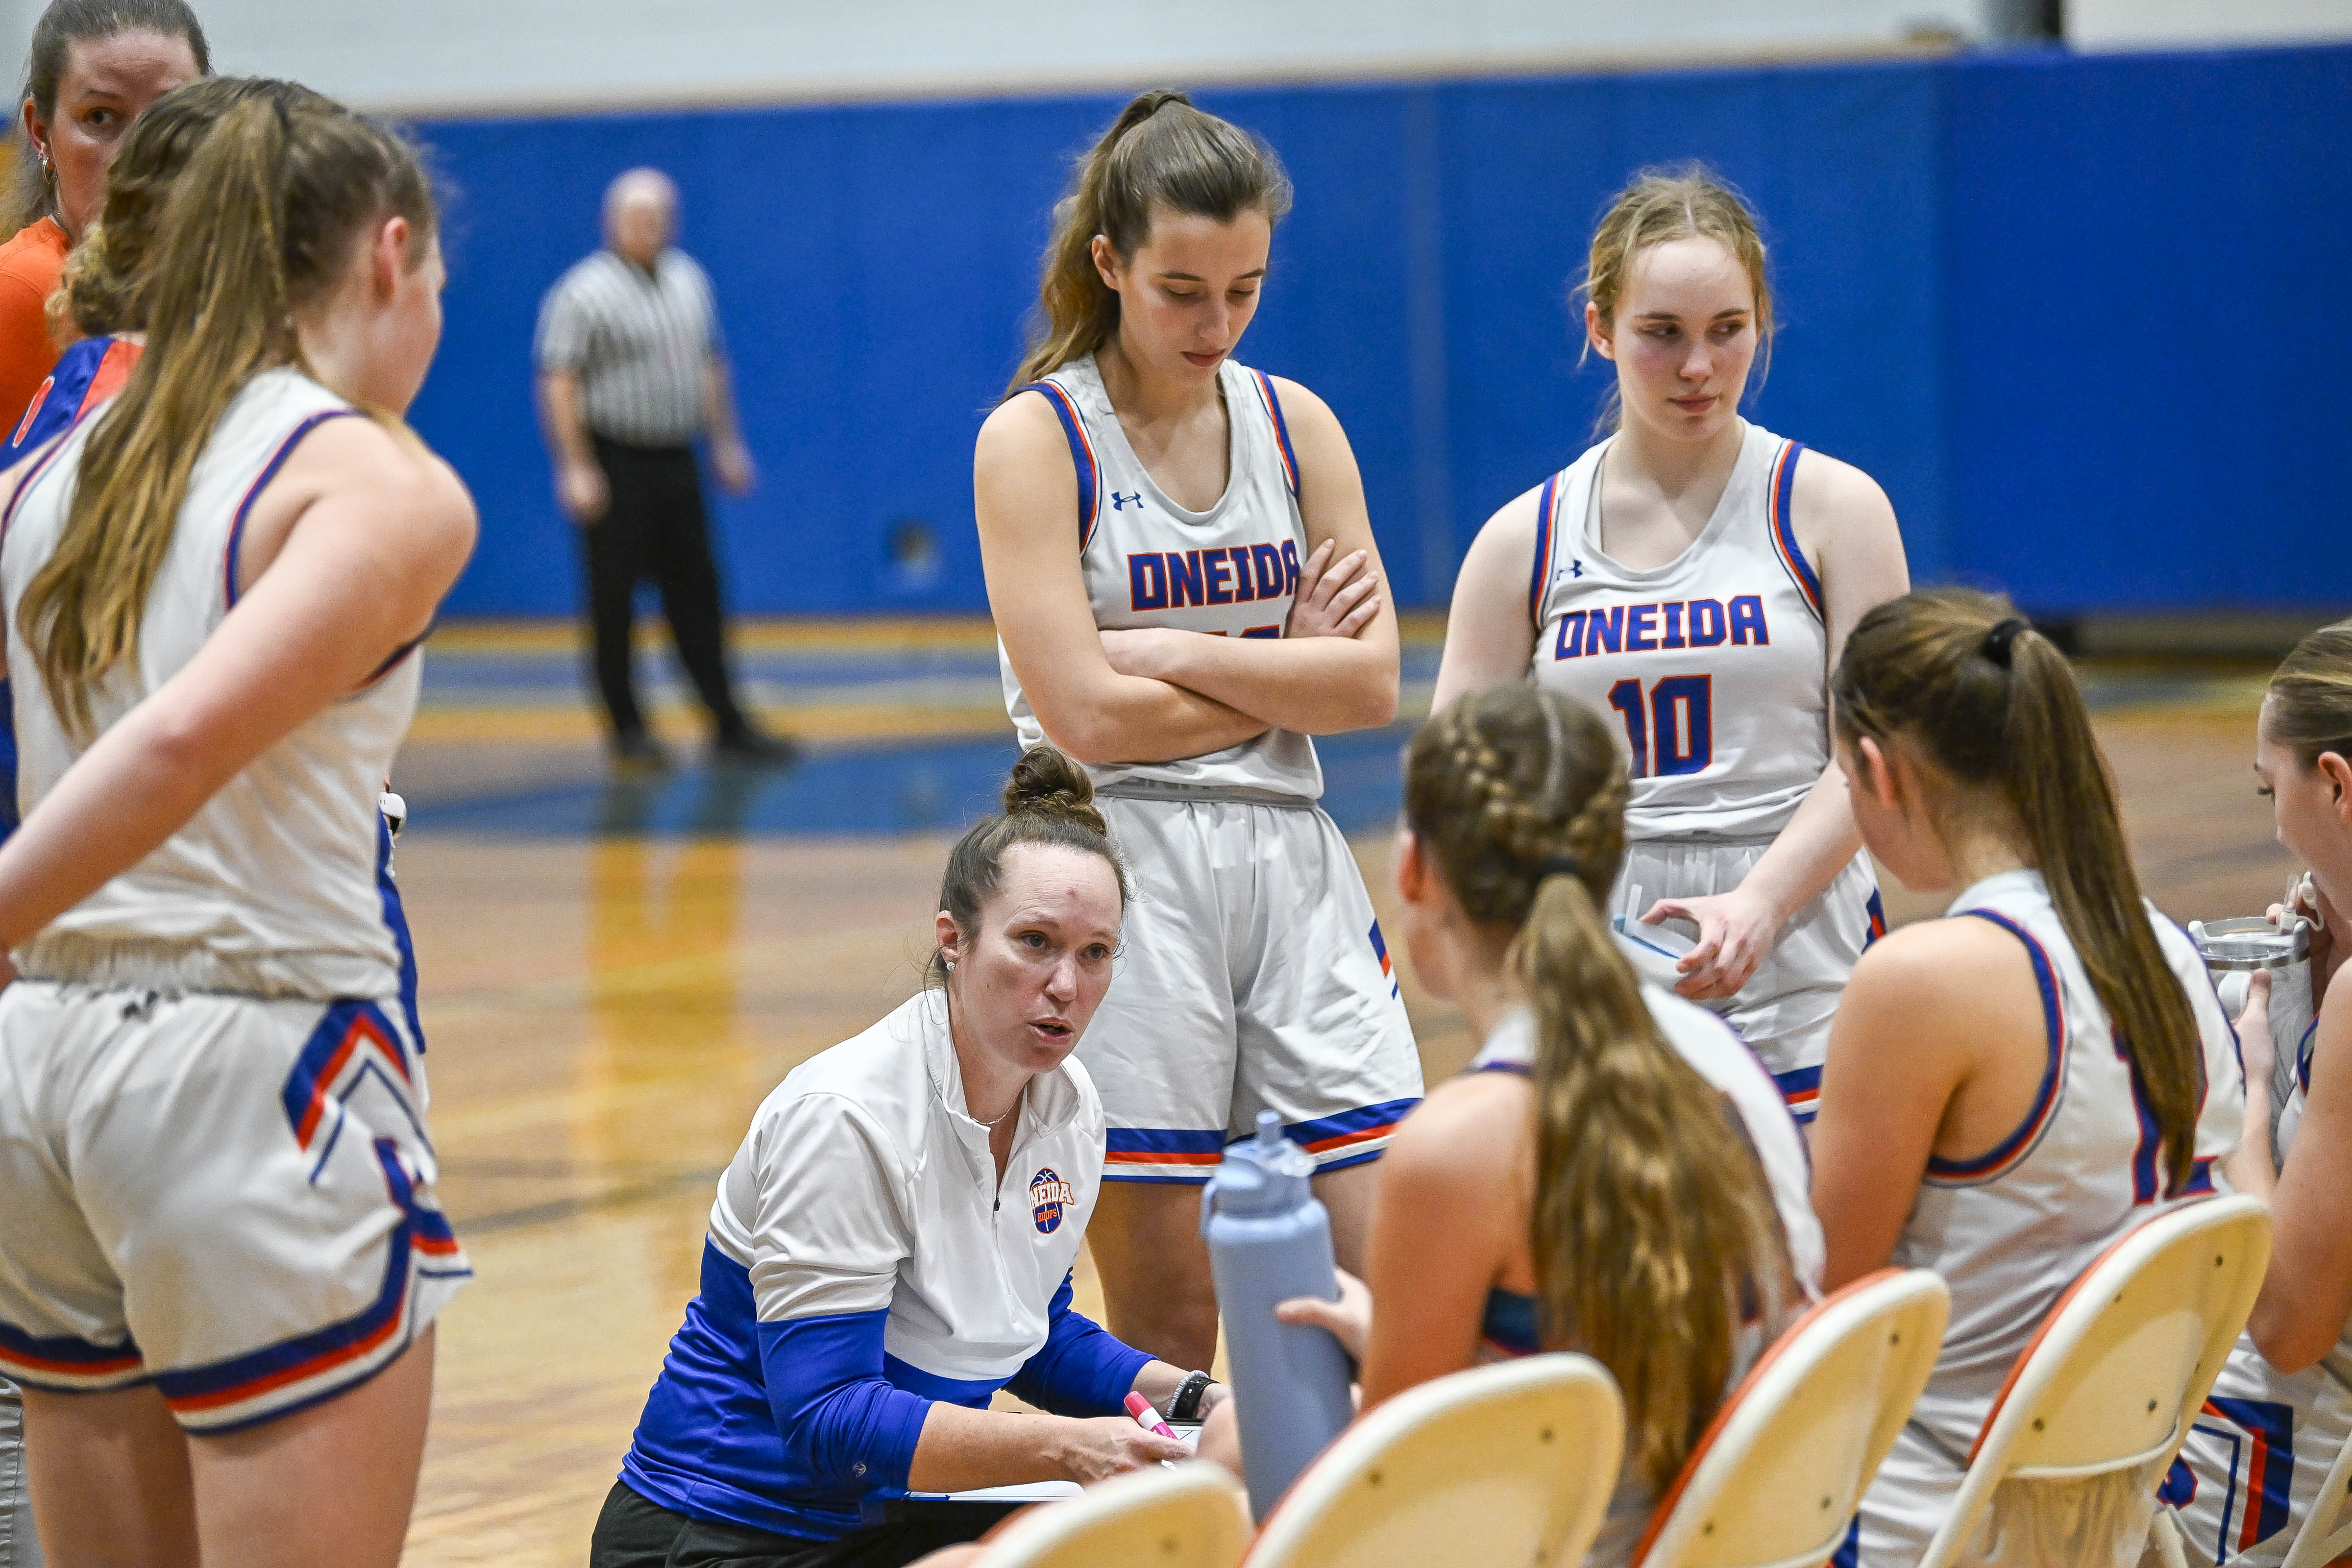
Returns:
point(638, 344)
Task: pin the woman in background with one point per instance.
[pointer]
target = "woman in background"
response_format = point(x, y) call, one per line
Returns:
point(2014, 1086)
point(96, 65)
point(2282, 1408)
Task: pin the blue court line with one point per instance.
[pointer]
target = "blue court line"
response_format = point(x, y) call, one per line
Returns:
point(867, 790)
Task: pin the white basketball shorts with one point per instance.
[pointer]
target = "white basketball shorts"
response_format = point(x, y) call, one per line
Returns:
point(227, 1197)
point(2257, 1454)
point(1252, 976)
point(1784, 1010)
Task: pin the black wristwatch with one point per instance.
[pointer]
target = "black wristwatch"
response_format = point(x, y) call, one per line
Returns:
point(1185, 1404)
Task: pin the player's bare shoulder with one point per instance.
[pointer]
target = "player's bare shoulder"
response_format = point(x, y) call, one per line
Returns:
point(1021, 431)
point(1830, 501)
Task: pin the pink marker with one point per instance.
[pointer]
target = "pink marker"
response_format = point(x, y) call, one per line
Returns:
point(1147, 1418)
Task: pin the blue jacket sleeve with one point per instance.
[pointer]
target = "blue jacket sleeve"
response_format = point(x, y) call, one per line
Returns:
point(841, 1420)
point(1080, 1370)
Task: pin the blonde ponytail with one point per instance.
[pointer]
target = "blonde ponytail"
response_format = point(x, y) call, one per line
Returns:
point(1160, 152)
point(1655, 1232)
point(259, 225)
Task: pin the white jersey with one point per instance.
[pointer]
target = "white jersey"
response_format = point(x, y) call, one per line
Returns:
point(2011, 1230)
point(1721, 1057)
point(1714, 668)
point(864, 1185)
point(1229, 571)
point(279, 885)
point(2258, 1453)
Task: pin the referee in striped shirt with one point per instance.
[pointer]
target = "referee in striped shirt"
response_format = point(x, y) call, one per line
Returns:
point(632, 369)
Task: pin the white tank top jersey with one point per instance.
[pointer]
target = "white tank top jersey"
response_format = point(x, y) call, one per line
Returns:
point(1231, 571)
point(1714, 668)
point(2011, 1230)
point(280, 884)
point(1723, 1058)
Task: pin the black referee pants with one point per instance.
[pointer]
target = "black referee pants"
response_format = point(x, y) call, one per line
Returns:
point(655, 528)
point(634, 1531)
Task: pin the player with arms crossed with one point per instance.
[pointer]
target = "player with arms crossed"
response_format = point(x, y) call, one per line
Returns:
point(223, 1255)
point(1693, 581)
point(1185, 588)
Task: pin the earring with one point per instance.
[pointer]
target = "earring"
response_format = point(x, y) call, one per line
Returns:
point(951, 963)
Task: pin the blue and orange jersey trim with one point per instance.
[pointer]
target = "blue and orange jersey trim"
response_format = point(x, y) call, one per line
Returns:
point(1875, 910)
point(87, 375)
point(227, 1394)
point(66, 1363)
point(1388, 964)
point(1784, 528)
point(1161, 1153)
point(348, 1042)
point(1281, 430)
point(2005, 1155)
point(1546, 518)
point(1330, 1139)
point(261, 482)
point(1082, 456)
point(1800, 1091)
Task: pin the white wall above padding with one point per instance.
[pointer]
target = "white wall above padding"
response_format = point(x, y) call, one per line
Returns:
point(579, 54)
point(2146, 23)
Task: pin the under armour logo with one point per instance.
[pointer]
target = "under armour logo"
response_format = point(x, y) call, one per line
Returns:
point(1120, 502)
point(1576, 568)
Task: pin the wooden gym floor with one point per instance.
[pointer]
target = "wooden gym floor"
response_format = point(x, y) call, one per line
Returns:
point(615, 972)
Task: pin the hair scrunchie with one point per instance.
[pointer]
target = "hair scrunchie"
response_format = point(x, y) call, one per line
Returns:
point(1557, 866)
point(2000, 642)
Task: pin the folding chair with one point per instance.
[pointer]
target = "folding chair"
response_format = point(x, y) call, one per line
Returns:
point(1500, 1466)
point(2326, 1535)
point(2120, 1367)
point(1192, 1516)
point(1774, 1481)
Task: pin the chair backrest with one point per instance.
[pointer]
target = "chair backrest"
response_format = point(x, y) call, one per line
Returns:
point(2326, 1536)
point(1503, 1466)
point(1777, 1475)
point(1190, 1516)
point(2123, 1362)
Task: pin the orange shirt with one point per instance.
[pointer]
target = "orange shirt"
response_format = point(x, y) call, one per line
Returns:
point(30, 265)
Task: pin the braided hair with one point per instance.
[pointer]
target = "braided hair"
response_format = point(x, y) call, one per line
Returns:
point(1655, 1230)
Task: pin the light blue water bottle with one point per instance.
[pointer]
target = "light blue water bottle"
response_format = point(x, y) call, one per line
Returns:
point(1269, 1240)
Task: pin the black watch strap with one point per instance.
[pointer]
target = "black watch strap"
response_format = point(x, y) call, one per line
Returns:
point(1185, 1405)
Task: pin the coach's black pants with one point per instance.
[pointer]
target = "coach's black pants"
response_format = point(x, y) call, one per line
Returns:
point(655, 528)
point(635, 1533)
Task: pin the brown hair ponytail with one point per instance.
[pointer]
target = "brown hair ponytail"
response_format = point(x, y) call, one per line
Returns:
point(1653, 1222)
point(1991, 705)
point(259, 228)
point(1160, 152)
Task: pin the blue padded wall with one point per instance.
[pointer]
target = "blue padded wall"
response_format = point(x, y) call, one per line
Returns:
point(2036, 295)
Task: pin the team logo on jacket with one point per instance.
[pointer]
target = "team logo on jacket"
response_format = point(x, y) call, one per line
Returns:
point(1048, 1196)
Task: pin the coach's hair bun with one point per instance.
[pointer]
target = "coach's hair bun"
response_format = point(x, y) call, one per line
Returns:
point(1044, 783)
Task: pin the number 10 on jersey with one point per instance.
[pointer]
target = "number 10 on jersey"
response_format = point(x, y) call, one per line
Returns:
point(1671, 732)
